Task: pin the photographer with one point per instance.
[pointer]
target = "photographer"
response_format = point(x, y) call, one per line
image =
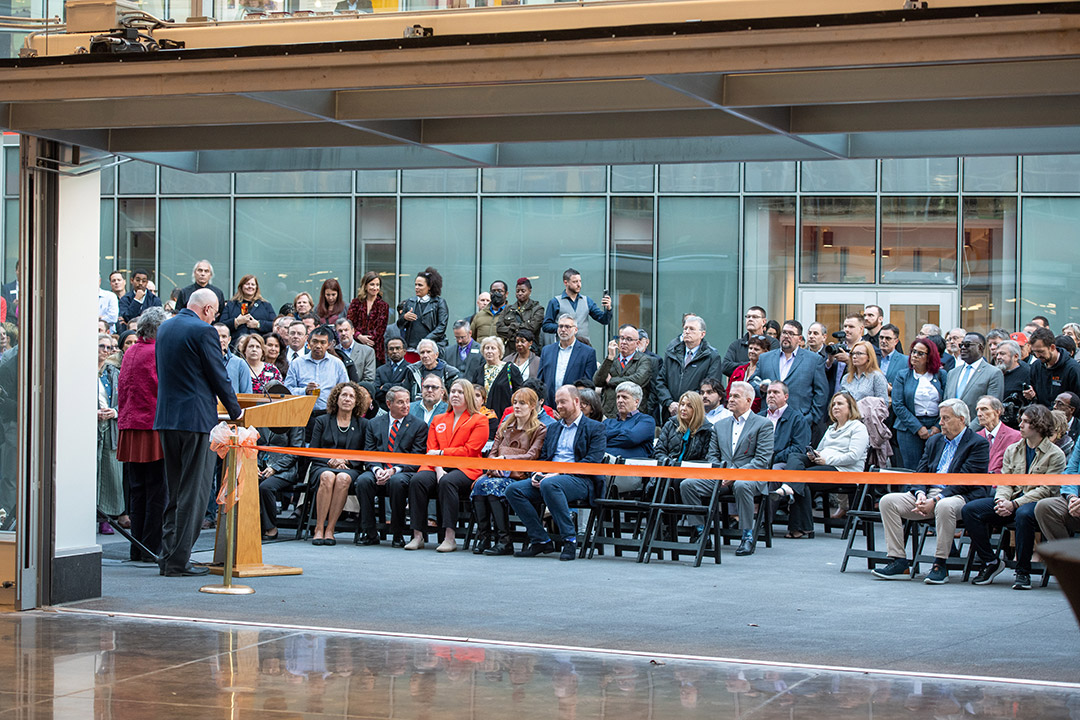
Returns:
point(1017, 376)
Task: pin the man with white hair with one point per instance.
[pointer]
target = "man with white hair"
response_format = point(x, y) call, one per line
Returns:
point(956, 449)
point(744, 440)
point(190, 376)
point(429, 364)
point(202, 274)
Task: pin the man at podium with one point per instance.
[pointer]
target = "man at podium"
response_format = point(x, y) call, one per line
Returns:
point(190, 375)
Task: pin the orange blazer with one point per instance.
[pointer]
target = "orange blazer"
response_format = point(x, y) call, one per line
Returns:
point(467, 440)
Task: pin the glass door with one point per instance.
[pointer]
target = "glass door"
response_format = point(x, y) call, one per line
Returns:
point(907, 309)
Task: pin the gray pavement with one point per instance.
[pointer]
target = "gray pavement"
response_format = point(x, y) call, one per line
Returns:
point(789, 603)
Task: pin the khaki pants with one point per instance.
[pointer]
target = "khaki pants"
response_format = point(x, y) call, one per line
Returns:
point(897, 507)
point(1054, 520)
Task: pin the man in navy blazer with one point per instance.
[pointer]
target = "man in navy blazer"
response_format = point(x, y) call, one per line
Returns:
point(791, 435)
point(567, 361)
point(575, 438)
point(803, 371)
point(892, 362)
point(190, 376)
point(956, 449)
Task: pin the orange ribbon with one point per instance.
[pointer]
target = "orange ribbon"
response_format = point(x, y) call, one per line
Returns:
point(224, 438)
point(576, 468)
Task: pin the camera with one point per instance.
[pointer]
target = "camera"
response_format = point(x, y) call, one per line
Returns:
point(839, 335)
point(1025, 387)
point(834, 348)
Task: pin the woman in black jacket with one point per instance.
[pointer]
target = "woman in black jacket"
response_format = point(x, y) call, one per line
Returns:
point(426, 315)
point(686, 435)
point(247, 312)
point(500, 379)
point(341, 428)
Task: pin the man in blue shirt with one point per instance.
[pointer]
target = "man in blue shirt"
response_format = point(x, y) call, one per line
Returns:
point(316, 371)
point(575, 438)
point(580, 307)
point(238, 371)
point(1059, 516)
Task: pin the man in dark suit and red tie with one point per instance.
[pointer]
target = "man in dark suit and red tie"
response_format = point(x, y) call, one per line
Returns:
point(397, 431)
point(190, 376)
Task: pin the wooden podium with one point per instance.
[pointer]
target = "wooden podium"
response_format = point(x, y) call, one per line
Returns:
point(259, 411)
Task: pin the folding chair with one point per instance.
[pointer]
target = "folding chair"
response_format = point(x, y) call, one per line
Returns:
point(863, 516)
point(661, 508)
point(762, 521)
point(609, 513)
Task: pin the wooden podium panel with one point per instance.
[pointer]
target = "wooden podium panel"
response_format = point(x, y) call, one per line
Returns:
point(259, 411)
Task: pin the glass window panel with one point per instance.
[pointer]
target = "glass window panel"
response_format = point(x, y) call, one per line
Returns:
point(194, 229)
point(11, 170)
point(919, 175)
point(294, 244)
point(832, 315)
point(440, 232)
point(770, 176)
point(303, 181)
point(988, 266)
point(544, 180)
point(178, 182)
point(700, 177)
point(439, 181)
point(909, 319)
point(990, 174)
point(137, 178)
point(918, 240)
point(697, 268)
point(837, 240)
point(376, 243)
point(1051, 173)
point(632, 178)
point(838, 176)
point(136, 239)
point(376, 181)
point(11, 238)
point(1050, 260)
point(769, 255)
point(539, 238)
point(632, 261)
point(108, 180)
point(106, 259)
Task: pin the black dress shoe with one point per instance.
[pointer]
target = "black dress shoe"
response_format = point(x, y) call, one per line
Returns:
point(317, 541)
point(399, 542)
point(501, 549)
point(569, 551)
point(482, 543)
point(368, 540)
point(189, 571)
point(746, 547)
point(534, 549)
point(329, 541)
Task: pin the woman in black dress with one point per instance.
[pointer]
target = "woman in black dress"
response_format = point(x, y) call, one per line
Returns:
point(341, 428)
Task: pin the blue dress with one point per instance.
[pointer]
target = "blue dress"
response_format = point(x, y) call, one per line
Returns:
point(510, 444)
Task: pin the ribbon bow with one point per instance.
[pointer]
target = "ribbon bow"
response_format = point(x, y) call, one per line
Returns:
point(222, 439)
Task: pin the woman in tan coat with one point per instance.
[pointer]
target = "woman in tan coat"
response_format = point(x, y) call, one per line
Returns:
point(520, 437)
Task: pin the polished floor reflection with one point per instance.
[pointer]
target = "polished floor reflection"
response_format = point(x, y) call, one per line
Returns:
point(66, 665)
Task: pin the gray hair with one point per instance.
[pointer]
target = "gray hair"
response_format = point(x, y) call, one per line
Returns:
point(461, 324)
point(208, 263)
point(824, 328)
point(780, 384)
point(932, 329)
point(993, 402)
point(568, 316)
point(997, 334)
point(747, 388)
point(427, 341)
point(696, 319)
point(496, 341)
point(630, 388)
point(341, 321)
point(149, 322)
point(1010, 345)
point(201, 298)
point(958, 408)
point(394, 390)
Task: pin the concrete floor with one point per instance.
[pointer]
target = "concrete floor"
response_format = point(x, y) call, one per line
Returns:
point(788, 604)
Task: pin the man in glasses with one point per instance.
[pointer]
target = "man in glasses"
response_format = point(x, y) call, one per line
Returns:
point(973, 377)
point(431, 402)
point(738, 352)
point(623, 363)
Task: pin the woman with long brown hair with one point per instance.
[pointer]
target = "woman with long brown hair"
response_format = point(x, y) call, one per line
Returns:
point(331, 305)
point(519, 437)
point(247, 312)
point(369, 313)
point(341, 428)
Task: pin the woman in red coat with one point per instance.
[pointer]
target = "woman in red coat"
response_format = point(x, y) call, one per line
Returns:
point(139, 445)
point(461, 432)
point(369, 314)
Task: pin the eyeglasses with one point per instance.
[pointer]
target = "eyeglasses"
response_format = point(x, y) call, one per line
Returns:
point(430, 387)
point(106, 347)
point(968, 343)
point(624, 338)
point(567, 327)
point(918, 353)
point(789, 332)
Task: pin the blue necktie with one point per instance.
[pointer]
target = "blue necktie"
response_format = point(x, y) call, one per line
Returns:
point(963, 380)
point(946, 457)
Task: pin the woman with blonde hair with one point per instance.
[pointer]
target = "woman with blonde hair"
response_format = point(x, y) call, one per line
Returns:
point(520, 437)
point(500, 378)
point(863, 378)
point(302, 305)
point(462, 431)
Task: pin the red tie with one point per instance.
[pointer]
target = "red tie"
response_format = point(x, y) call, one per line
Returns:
point(622, 363)
point(390, 442)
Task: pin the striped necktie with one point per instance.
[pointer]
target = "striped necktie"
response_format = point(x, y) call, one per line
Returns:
point(390, 442)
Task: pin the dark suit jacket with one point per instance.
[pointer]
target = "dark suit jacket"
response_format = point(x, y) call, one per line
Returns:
point(285, 466)
point(473, 364)
point(807, 392)
point(791, 435)
point(590, 444)
point(386, 377)
point(261, 310)
point(972, 456)
point(129, 309)
point(190, 375)
point(411, 438)
point(185, 293)
point(582, 366)
point(897, 363)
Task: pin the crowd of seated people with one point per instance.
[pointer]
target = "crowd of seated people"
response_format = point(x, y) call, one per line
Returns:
point(522, 381)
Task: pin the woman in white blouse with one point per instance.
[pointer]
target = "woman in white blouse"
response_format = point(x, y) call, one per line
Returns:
point(915, 397)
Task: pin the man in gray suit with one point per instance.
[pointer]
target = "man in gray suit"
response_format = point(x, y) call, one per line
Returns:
point(803, 371)
point(973, 377)
point(744, 440)
point(363, 356)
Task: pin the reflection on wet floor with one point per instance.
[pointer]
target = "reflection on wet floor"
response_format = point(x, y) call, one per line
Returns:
point(94, 666)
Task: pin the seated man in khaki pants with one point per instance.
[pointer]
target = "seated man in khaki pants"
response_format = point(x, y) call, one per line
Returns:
point(956, 449)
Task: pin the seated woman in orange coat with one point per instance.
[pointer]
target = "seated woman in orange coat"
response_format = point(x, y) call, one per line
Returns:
point(461, 432)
